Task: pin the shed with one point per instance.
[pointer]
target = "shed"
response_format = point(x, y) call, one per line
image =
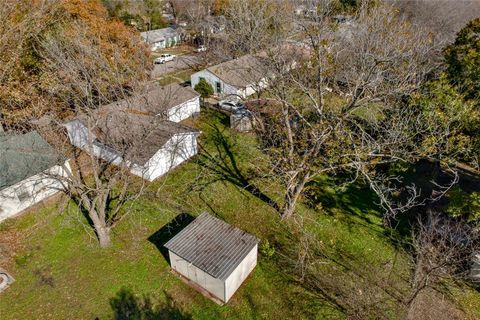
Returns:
point(241, 121)
point(213, 256)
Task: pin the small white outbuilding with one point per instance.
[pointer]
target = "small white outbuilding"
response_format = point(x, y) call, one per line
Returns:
point(213, 256)
point(171, 102)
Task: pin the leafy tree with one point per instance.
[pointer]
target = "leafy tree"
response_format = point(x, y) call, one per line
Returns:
point(465, 205)
point(154, 14)
point(463, 60)
point(446, 117)
point(204, 88)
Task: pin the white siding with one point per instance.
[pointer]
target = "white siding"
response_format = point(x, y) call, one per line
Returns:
point(204, 280)
point(241, 272)
point(80, 138)
point(184, 110)
point(212, 80)
point(35, 189)
point(178, 149)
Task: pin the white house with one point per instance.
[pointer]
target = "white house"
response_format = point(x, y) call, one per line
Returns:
point(148, 146)
point(161, 38)
point(241, 77)
point(172, 102)
point(30, 171)
point(213, 256)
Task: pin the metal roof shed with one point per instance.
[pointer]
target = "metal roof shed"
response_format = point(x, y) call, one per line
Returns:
point(213, 256)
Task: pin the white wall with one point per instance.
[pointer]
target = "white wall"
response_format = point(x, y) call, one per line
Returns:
point(241, 272)
point(177, 150)
point(212, 80)
point(81, 138)
point(37, 188)
point(184, 110)
point(203, 279)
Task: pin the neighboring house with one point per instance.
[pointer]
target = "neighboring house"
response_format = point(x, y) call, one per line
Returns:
point(30, 171)
point(162, 38)
point(242, 76)
point(172, 102)
point(148, 146)
point(213, 256)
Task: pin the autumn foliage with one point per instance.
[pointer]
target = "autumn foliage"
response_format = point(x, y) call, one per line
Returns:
point(76, 29)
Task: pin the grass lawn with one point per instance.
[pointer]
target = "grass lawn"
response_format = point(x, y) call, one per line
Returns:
point(176, 77)
point(62, 274)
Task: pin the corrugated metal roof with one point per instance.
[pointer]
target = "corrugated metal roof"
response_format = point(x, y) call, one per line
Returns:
point(212, 245)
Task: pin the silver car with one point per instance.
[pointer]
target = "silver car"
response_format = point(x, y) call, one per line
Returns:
point(230, 105)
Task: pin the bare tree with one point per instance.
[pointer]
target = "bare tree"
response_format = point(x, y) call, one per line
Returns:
point(443, 248)
point(342, 110)
point(99, 189)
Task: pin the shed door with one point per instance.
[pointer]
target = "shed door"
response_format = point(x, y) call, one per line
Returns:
point(196, 275)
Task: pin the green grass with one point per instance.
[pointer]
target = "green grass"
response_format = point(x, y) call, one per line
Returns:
point(176, 77)
point(62, 274)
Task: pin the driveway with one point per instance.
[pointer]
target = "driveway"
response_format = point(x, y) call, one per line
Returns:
point(180, 63)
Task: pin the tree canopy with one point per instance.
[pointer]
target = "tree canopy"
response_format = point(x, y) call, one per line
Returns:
point(463, 60)
point(27, 79)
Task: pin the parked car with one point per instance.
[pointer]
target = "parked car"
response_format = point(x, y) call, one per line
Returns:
point(230, 105)
point(164, 58)
point(200, 49)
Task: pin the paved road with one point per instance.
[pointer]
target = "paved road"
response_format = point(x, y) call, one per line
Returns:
point(180, 63)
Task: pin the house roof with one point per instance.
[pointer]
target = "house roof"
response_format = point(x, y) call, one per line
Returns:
point(212, 245)
point(156, 100)
point(135, 137)
point(241, 72)
point(23, 156)
point(157, 35)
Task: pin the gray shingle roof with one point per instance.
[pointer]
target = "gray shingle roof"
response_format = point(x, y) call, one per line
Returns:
point(156, 100)
point(212, 245)
point(241, 72)
point(157, 35)
point(23, 156)
point(136, 137)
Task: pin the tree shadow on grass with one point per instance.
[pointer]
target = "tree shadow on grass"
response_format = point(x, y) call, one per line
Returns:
point(168, 231)
point(357, 201)
point(222, 164)
point(128, 306)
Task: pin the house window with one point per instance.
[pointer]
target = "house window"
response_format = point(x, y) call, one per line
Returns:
point(22, 194)
point(218, 86)
point(201, 78)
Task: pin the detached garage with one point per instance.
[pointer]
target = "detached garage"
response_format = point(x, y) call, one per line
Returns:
point(213, 256)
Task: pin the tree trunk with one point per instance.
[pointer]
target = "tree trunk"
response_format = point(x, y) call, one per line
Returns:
point(103, 234)
point(294, 190)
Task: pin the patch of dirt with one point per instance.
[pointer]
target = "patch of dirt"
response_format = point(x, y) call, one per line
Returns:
point(11, 242)
point(432, 305)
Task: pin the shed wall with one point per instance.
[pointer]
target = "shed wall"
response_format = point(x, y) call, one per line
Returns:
point(236, 278)
point(34, 189)
point(213, 286)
